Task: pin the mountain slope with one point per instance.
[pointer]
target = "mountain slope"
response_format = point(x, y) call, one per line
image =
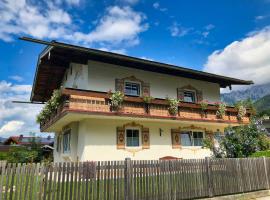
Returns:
point(255, 92)
point(263, 103)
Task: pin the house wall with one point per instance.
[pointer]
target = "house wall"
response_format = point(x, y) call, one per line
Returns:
point(101, 77)
point(97, 141)
point(72, 155)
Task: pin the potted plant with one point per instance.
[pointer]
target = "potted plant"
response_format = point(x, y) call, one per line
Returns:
point(173, 105)
point(204, 106)
point(241, 109)
point(147, 100)
point(221, 110)
point(116, 100)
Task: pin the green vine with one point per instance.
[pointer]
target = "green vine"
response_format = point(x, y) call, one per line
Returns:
point(173, 105)
point(204, 105)
point(51, 106)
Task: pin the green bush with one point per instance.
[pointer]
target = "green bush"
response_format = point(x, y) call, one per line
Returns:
point(3, 155)
point(261, 154)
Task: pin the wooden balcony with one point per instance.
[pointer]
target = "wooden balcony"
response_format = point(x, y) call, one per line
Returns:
point(97, 103)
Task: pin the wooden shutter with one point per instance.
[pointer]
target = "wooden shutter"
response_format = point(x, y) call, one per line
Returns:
point(119, 85)
point(145, 138)
point(199, 95)
point(180, 94)
point(176, 140)
point(120, 137)
point(146, 89)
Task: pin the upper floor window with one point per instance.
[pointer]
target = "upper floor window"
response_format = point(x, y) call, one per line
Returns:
point(132, 89)
point(66, 141)
point(132, 137)
point(192, 138)
point(189, 96)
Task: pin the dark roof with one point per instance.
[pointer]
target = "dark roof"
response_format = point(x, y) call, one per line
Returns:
point(57, 56)
point(22, 140)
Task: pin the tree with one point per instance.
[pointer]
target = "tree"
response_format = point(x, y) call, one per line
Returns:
point(241, 141)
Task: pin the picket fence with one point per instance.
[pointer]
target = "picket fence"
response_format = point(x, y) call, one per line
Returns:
point(133, 179)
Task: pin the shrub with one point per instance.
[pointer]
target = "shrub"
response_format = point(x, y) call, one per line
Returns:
point(173, 105)
point(261, 154)
point(241, 108)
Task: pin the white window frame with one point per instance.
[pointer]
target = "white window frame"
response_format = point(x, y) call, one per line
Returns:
point(133, 128)
point(195, 95)
point(133, 82)
point(66, 132)
point(192, 137)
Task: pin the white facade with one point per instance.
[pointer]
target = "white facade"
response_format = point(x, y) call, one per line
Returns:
point(95, 138)
point(101, 77)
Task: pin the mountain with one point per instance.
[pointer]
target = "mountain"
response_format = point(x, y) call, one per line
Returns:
point(255, 93)
point(263, 104)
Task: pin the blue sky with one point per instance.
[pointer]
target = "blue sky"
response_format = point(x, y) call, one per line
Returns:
point(226, 37)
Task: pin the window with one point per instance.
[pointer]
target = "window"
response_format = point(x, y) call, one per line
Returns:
point(132, 137)
point(132, 89)
point(189, 96)
point(191, 138)
point(66, 141)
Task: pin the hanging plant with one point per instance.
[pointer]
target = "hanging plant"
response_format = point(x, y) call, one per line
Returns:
point(221, 110)
point(173, 105)
point(148, 99)
point(51, 106)
point(204, 106)
point(117, 99)
point(241, 108)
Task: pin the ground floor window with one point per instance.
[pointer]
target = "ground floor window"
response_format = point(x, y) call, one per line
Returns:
point(58, 143)
point(132, 137)
point(192, 138)
point(66, 141)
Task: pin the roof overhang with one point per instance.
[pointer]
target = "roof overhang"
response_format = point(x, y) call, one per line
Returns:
point(56, 58)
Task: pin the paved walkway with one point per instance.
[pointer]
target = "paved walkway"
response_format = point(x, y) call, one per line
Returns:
point(263, 198)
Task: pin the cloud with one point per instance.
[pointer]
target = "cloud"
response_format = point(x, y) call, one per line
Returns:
point(119, 25)
point(157, 6)
point(11, 127)
point(261, 17)
point(209, 27)
point(179, 31)
point(132, 2)
point(245, 59)
point(16, 78)
point(12, 113)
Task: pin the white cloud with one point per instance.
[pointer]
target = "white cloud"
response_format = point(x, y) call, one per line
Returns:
point(48, 20)
point(179, 31)
point(129, 1)
point(157, 6)
point(12, 127)
point(10, 112)
point(261, 17)
point(119, 25)
point(245, 59)
point(209, 27)
point(16, 78)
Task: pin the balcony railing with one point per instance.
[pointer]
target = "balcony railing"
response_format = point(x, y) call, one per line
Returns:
point(98, 103)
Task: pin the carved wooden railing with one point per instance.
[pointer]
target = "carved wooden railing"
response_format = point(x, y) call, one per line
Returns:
point(98, 103)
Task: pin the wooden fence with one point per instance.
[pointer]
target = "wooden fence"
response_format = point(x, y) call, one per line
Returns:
point(132, 180)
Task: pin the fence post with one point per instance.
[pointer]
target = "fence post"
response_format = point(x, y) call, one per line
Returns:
point(266, 172)
point(209, 177)
point(127, 183)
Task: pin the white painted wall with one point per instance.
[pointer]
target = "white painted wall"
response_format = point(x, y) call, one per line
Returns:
point(101, 77)
point(97, 141)
point(72, 155)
